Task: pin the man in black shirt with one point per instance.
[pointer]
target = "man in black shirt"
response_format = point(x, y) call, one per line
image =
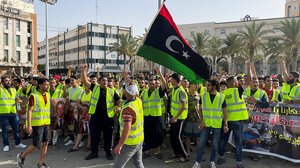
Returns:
point(101, 121)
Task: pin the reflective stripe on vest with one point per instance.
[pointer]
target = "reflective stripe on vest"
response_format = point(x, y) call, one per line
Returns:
point(176, 104)
point(152, 104)
point(212, 112)
point(41, 111)
point(288, 94)
point(7, 100)
point(236, 106)
point(109, 101)
point(136, 133)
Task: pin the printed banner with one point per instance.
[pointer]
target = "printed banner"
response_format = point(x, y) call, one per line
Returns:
point(273, 131)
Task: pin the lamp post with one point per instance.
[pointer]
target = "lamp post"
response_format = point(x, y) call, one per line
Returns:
point(50, 2)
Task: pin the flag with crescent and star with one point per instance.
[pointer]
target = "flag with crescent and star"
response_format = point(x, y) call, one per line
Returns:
point(165, 45)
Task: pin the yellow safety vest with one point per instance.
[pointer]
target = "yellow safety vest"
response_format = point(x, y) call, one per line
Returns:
point(212, 112)
point(41, 111)
point(152, 104)
point(276, 94)
point(86, 97)
point(109, 100)
point(76, 94)
point(202, 90)
point(20, 92)
point(288, 94)
point(236, 106)
point(58, 93)
point(7, 101)
point(176, 104)
point(258, 94)
point(136, 133)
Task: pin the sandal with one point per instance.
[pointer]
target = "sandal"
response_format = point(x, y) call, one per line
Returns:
point(173, 157)
point(159, 155)
point(183, 160)
point(72, 150)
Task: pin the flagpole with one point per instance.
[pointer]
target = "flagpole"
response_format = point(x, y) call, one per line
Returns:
point(150, 26)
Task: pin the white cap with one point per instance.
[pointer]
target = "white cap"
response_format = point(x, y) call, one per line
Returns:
point(132, 90)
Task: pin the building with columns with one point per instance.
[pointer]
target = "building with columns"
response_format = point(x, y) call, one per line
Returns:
point(264, 66)
point(18, 34)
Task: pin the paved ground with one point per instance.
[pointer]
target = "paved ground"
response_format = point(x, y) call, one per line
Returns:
point(59, 158)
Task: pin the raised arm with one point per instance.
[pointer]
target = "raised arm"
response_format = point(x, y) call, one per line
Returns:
point(69, 71)
point(162, 79)
point(97, 75)
point(125, 76)
point(84, 77)
point(283, 69)
point(249, 74)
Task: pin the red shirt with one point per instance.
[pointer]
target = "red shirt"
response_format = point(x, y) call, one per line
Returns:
point(31, 100)
point(269, 92)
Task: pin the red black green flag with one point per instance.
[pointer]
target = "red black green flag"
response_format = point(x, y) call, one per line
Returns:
point(165, 45)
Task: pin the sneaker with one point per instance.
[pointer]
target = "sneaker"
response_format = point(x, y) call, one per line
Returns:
point(6, 148)
point(91, 156)
point(21, 146)
point(20, 161)
point(197, 165)
point(221, 161)
point(81, 144)
point(240, 165)
point(70, 142)
point(42, 166)
point(212, 165)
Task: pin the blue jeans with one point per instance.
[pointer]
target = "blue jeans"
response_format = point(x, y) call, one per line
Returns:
point(237, 128)
point(13, 120)
point(203, 138)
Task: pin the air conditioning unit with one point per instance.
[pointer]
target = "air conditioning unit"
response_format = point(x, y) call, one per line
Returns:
point(29, 46)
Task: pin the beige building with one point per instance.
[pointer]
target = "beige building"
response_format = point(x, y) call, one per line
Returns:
point(18, 34)
point(265, 65)
point(87, 44)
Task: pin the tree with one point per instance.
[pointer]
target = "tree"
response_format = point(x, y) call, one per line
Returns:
point(199, 42)
point(290, 41)
point(127, 46)
point(214, 50)
point(252, 38)
point(232, 48)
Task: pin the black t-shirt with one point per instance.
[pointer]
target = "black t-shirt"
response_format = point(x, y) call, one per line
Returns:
point(212, 97)
point(101, 109)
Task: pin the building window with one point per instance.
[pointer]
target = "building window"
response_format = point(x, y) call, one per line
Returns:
point(239, 29)
point(18, 56)
point(5, 23)
point(5, 39)
point(206, 32)
point(28, 27)
point(276, 28)
point(17, 25)
point(18, 40)
point(29, 56)
point(5, 58)
point(223, 32)
point(289, 11)
point(28, 40)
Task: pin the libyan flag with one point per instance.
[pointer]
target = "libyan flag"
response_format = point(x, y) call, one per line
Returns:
point(165, 45)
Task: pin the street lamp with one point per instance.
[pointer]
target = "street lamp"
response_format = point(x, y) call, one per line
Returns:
point(50, 2)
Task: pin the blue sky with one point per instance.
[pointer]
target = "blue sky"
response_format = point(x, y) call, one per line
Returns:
point(139, 13)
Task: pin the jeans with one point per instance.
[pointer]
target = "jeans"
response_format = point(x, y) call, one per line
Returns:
point(13, 120)
point(203, 138)
point(237, 128)
point(128, 152)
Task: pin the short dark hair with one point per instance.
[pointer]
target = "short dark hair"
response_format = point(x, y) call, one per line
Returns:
point(74, 77)
point(68, 81)
point(110, 80)
point(18, 80)
point(260, 78)
point(223, 83)
point(4, 77)
point(103, 76)
point(295, 74)
point(253, 78)
point(230, 79)
point(239, 77)
point(176, 77)
point(266, 77)
point(275, 80)
point(41, 81)
point(93, 76)
point(215, 83)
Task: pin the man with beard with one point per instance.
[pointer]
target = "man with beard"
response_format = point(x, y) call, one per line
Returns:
point(8, 113)
point(290, 88)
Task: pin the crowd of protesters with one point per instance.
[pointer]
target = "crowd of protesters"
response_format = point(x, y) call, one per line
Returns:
point(134, 112)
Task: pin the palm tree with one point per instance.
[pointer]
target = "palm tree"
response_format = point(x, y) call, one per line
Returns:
point(214, 50)
point(199, 42)
point(290, 41)
point(232, 47)
point(127, 46)
point(252, 37)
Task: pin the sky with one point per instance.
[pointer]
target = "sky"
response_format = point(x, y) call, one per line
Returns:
point(67, 14)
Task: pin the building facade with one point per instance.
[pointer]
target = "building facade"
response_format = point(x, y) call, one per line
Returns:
point(18, 48)
point(87, 44)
